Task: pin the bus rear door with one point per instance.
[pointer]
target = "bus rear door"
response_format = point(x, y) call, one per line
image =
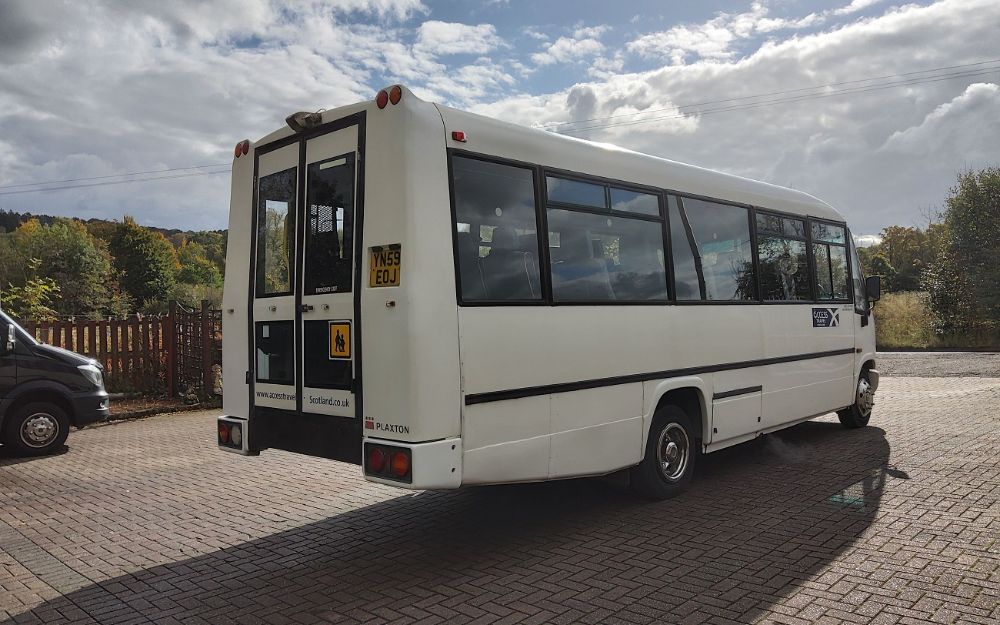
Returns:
point(305, 332)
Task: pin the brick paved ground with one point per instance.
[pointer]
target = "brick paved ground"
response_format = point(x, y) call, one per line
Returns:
point(145, 522)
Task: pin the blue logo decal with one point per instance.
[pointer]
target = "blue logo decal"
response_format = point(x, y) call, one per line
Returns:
point(826, 317)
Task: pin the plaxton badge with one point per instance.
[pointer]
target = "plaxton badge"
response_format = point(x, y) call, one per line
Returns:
point(825, 317)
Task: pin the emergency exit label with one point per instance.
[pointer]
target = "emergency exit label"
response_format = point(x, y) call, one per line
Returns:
point(340, 340)
point(386, 265)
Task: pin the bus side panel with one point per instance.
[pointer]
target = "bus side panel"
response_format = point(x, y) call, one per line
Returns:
point(807, 387)
point(235, 398)
point(596, 430)
point(506, 441)
point(409, 332)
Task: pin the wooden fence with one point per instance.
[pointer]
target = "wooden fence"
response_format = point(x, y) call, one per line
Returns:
point(151, 354)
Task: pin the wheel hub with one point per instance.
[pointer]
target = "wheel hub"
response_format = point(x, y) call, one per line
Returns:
point(673, 452)
point(39, 430)
point(866, 397)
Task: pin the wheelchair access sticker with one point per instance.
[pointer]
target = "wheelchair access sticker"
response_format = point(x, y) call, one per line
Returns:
point(826, 317)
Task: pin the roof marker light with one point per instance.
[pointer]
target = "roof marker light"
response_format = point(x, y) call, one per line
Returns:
point(395, 94)
point(459, 135)
point(382, 99)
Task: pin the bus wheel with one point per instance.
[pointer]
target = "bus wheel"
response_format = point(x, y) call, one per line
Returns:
point(860, 412)
point(671, 449)
point(36, 429)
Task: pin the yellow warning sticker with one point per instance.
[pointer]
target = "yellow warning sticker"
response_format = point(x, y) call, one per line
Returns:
point(340, 340)
point(386, 266)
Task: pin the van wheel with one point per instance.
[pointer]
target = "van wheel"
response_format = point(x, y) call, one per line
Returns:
point(36, 429)
point(860, 412)
point(668, 464)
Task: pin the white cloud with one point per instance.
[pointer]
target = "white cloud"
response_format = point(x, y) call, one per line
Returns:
point(878, 156)
point(438, 38)
point(855, 6)
point(585, 43)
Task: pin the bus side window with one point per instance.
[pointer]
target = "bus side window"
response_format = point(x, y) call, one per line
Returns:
point(721, 234)
point(688, 280)
point(830, 253)
point(783, 259)
point(503, 264)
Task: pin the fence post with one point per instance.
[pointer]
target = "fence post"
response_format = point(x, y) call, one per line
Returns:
point(170, 338)
point(206, 349)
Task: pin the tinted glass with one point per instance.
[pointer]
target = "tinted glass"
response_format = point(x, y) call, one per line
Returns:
point(722, 236)
point(781, 226)
point(828, 233)
point(275, 362)
point(784, 269)
point(858, 279)
point(686, 282)
point(321, 371)
point(838, 267)
point(831, 271)
point(575, 192)
point(275, 233)
point(634, 202)
point(329, 249)
point(496, 237)
point(598, 258)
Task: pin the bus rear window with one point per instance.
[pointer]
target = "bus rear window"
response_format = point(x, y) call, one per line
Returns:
point(275, 233)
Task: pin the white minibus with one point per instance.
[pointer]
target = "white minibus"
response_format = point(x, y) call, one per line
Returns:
point(446, 299)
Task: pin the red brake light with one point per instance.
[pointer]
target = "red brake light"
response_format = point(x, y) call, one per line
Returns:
point(223, 433)
point(395, 94)
point(376, 460)
point(382, 99)
point(400, 463)
point(238, 151)
point(458, 135)
point(245, 146)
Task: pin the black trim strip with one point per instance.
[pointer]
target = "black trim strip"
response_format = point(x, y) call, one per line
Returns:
point(564, 387)
point(737, 391)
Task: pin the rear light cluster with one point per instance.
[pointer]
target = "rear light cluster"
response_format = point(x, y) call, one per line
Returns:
point(393, 95)
point(230, 435)
point(241, 148)
point(391, 463)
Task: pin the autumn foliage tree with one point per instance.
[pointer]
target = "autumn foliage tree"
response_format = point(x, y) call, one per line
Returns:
point(146, 261)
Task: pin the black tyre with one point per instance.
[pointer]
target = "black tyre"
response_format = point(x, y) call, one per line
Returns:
point(36, 429)
point(860, 412)
point(668, 463)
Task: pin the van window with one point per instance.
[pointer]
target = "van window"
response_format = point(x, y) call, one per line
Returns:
point(830, 253)
point(566, 191)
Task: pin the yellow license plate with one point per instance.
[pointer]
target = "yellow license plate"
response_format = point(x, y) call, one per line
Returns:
point(386, 266)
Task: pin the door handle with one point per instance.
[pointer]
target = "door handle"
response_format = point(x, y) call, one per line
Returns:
point(306, 308)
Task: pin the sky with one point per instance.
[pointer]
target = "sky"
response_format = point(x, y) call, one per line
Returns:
point(871, 105)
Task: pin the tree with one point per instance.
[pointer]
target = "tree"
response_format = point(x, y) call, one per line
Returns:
point(77, 262)
point(906, 250)
point(33, 300)
point(963, 279)
point(195, 268)
point(145, 260)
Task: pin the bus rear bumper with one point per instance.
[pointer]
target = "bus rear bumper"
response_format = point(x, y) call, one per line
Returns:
point(436, 465)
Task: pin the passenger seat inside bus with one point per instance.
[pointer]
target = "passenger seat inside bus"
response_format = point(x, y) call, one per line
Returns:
point(470, 272)
point(509, 272)
point(576, 274)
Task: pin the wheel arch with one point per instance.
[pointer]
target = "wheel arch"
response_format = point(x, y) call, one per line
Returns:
point(40, 392)
point(689, 394)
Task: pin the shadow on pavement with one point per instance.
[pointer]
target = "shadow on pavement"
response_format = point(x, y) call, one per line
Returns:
point(759, 519)
point(9, 458)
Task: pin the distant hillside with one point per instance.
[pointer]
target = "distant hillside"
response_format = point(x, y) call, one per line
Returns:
point(10, 220)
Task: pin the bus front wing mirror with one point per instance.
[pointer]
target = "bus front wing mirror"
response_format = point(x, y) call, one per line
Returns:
point(873, 287)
